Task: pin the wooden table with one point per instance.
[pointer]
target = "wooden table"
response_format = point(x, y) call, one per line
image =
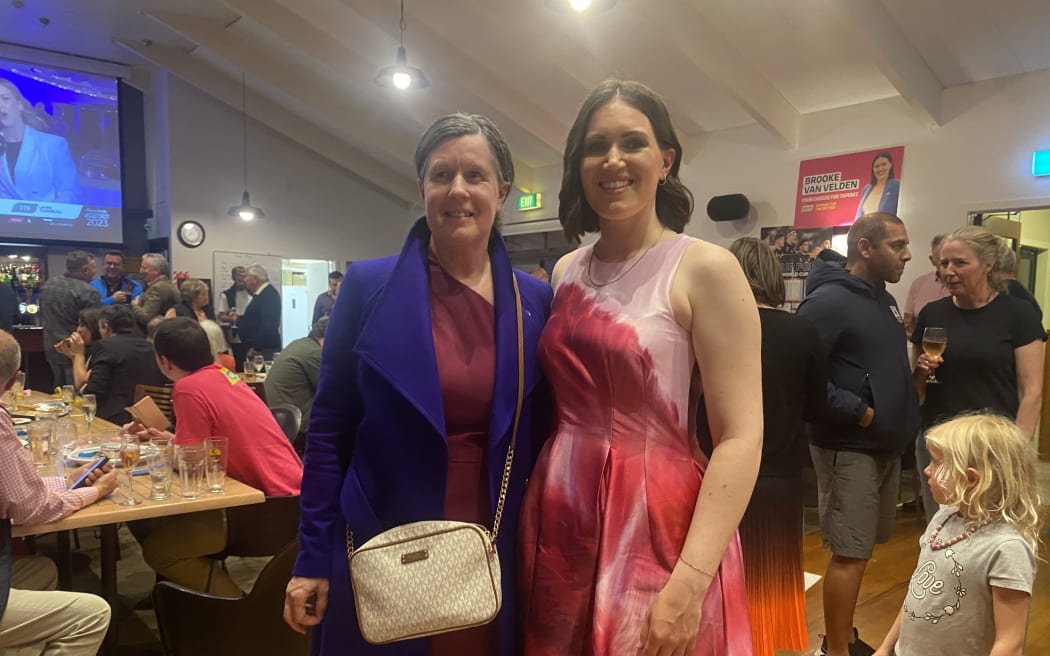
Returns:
point(108, 514)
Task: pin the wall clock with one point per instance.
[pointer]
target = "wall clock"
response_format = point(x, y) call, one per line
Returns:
point(191, 234)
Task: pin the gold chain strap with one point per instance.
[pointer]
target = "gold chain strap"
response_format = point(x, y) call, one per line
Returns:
point(502, 500)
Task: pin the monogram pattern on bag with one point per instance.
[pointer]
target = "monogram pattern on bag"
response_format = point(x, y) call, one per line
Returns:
point(400, 594)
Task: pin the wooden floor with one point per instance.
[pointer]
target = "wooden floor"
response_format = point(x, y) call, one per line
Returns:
point(886, 581)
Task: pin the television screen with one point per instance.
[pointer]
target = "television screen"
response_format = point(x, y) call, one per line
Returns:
point(59, 155)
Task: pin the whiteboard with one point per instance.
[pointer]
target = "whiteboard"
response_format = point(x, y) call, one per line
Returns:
point(224, 261)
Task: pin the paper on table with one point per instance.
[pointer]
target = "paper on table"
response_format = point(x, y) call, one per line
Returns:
point(148, 414)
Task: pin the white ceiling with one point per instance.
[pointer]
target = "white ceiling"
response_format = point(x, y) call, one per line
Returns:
point(718, 63)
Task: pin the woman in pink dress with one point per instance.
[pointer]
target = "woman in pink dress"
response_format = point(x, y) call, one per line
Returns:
point(628, 535)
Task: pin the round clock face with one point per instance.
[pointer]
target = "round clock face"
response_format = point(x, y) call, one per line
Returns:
point(191, 234)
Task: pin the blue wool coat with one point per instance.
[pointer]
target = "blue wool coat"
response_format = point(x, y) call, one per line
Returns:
point(377, 451)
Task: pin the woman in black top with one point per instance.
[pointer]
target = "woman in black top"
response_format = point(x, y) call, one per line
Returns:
point(794, 380)
point(994, 357)
point(196, 301)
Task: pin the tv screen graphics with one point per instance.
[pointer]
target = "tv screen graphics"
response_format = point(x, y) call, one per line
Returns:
point(59, 155)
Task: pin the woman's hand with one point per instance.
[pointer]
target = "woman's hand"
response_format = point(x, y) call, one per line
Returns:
point(674, 618)
point(305, 601)
point(76, 344)
point(928, 364)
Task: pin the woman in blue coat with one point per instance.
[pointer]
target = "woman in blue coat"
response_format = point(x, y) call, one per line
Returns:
point(417, 392)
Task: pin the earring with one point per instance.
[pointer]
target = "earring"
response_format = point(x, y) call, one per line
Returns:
point(662, 182)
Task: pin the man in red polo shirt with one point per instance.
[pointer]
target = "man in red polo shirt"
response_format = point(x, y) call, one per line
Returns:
point(209, 400)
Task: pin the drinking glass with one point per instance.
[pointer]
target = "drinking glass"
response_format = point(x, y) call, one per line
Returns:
point(65, 436)
point(218, 449)
point(68, 393)
point(191, 469)
point(17, 388)
point(269, 364)
point(258, 362)
point(39, 433)
point(130, 454)
point(109, 440)
point(88, 405)
point(934, 341)
point(159, 462)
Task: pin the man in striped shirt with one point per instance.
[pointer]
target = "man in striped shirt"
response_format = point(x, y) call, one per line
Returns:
point(35, 614)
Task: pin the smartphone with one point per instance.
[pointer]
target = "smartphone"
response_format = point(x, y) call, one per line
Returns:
point(82, 481)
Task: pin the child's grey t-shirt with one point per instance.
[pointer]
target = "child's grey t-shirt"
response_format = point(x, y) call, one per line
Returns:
point(948, 607)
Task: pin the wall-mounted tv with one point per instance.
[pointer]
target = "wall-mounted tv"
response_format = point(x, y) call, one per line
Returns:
point(60, 170)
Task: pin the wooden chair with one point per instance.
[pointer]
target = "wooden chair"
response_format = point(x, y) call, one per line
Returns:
point(161, 396)
point(193, 623)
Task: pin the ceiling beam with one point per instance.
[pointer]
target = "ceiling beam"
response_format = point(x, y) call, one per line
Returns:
point(886, 44)
point(323, 100)
point(227, 90)
point(706, 48)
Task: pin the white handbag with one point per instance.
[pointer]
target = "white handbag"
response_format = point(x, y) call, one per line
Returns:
point(432, 577)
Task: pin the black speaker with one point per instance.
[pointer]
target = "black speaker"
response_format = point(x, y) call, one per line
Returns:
point(730, 207)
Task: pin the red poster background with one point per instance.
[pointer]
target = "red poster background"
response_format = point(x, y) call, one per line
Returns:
point(829, 189)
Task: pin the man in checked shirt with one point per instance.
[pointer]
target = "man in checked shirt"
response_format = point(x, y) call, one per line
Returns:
point(54, 622)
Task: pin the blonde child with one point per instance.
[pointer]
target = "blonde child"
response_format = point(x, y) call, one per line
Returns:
point(971, 591)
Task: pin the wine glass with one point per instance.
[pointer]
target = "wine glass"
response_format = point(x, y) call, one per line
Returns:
point(258, 362)
point(934, 341)
point(130, 453)
point(88, 405)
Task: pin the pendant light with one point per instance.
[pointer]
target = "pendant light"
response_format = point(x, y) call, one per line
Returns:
point(245, 210)
point(401, 75)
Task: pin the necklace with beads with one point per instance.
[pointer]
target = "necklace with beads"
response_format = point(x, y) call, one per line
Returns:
point(937, 545)
point(590, 261)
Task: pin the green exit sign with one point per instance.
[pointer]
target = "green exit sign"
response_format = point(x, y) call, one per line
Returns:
point(529, 202)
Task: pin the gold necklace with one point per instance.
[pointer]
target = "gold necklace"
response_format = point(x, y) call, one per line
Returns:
point(590, 261)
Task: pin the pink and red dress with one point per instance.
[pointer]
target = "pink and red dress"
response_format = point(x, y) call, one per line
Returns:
point(611, 498)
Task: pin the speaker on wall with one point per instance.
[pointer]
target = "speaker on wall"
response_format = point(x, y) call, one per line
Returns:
point(730, 207)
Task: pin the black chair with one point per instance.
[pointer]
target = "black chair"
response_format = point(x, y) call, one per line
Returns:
point(261, 529)
point(289, 418)
point(193, 623)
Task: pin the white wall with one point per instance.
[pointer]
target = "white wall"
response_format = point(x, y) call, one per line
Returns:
point(314, 209)
point(980, 159)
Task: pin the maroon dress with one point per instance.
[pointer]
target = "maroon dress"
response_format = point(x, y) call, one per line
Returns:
point(464, 327)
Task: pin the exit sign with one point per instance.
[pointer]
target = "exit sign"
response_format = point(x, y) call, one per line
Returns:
point(1041, 162)
point(528, 202)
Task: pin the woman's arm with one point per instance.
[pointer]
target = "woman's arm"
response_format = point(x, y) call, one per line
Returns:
point(333, 424)
point(730, 361)
point(711, 296)
point(1029, 363)
point(1010, 610)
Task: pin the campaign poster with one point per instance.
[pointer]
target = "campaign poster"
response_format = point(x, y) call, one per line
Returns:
point(836, 191)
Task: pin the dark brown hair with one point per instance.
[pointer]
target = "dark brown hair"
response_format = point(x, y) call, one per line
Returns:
point(674, 202)
point(763, 270)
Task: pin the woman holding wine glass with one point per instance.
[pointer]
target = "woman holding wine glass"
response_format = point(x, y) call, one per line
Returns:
point(993, 358)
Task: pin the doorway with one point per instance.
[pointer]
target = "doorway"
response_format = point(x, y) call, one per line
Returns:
point(302, 281)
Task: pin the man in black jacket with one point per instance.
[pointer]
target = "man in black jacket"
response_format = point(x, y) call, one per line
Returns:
point(872, 412)
point(260, 327)
point(121, 361)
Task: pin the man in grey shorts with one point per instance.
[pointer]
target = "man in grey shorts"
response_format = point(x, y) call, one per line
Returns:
point(872, 414)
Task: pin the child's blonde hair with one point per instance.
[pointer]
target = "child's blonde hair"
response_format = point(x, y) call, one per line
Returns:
point(1005, 462)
